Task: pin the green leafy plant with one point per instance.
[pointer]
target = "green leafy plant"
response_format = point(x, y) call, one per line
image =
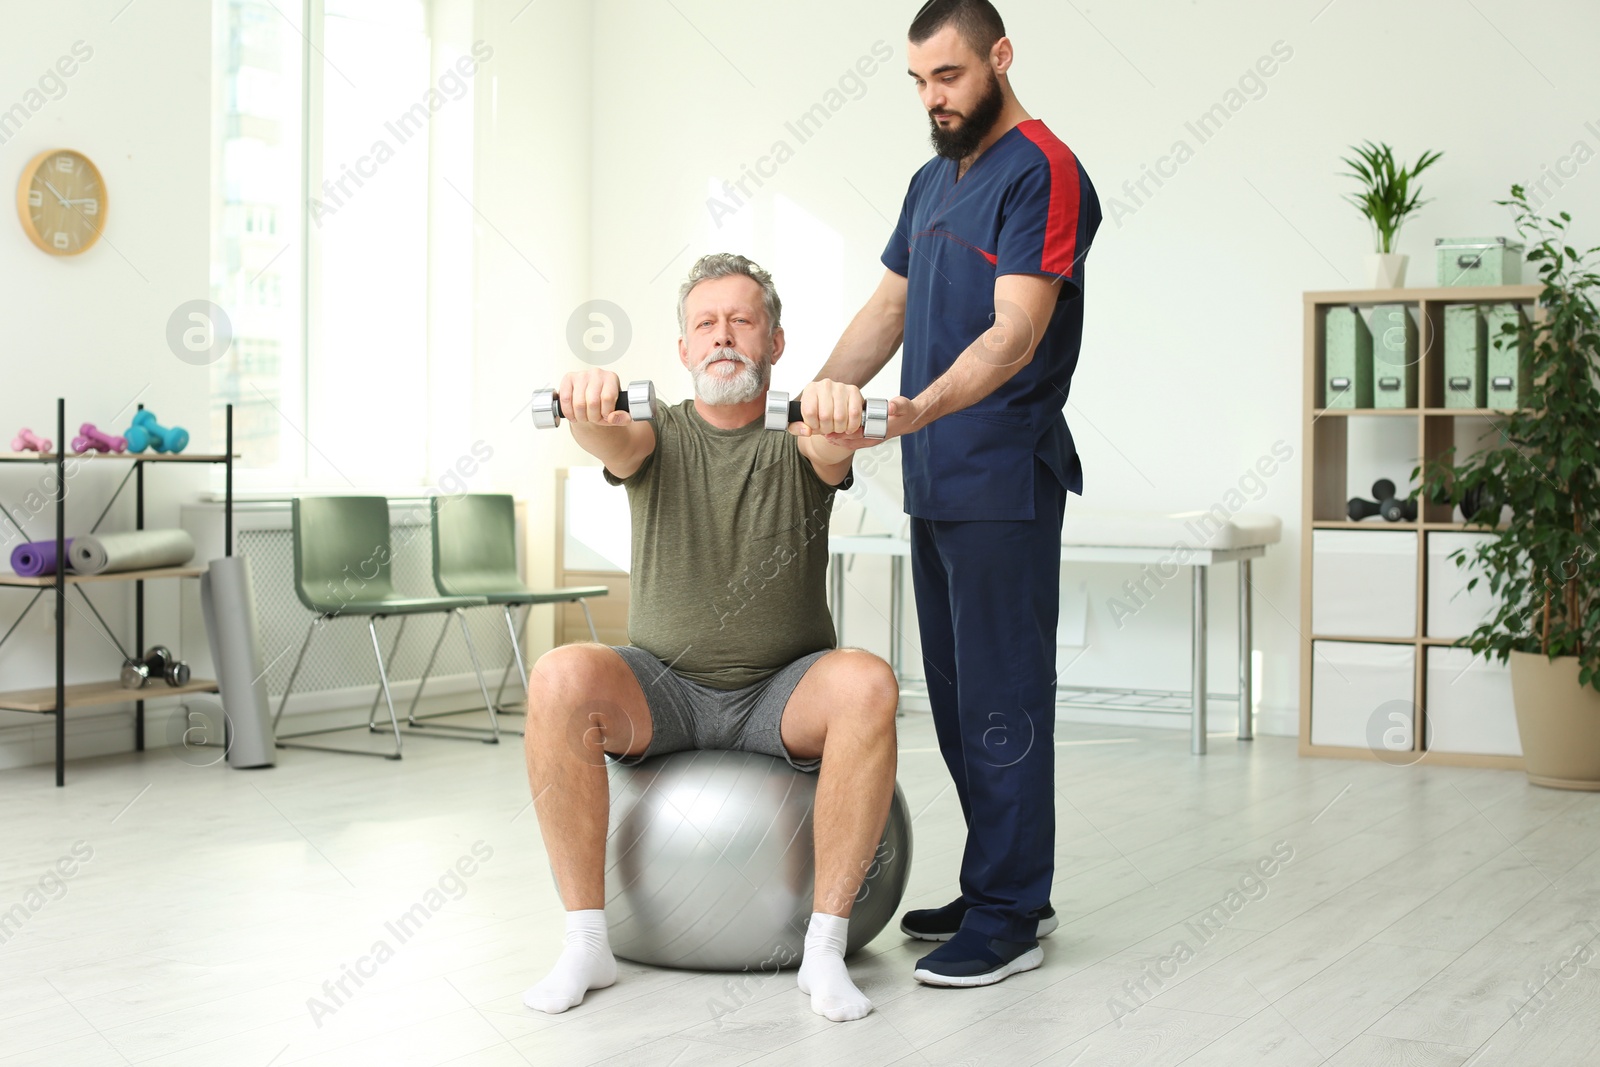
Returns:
point(1542, 566)
point(1390, 194)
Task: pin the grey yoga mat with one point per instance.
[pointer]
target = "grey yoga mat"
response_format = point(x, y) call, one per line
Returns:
point(135, 550)
point(227, 597)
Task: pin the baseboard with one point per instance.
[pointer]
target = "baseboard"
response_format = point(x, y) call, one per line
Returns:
point(107, 731)
point(1220, 718)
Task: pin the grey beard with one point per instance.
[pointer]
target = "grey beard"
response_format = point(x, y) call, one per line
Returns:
point(742, 388)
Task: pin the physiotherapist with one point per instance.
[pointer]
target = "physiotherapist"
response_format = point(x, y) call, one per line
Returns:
point(985, 288)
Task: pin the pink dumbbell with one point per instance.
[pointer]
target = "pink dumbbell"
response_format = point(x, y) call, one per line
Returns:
point(92, 438)
point(28, 441)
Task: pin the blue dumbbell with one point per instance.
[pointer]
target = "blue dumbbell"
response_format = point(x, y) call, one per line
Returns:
point(147, 433)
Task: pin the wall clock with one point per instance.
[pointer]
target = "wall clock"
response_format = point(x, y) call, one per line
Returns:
point(61, 200)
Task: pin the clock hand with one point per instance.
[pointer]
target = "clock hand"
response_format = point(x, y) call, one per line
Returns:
point(59, 197)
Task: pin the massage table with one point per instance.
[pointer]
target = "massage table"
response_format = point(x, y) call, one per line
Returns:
point(1099, 536)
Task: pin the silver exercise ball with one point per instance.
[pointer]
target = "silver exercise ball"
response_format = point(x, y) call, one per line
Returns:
point(709, 863)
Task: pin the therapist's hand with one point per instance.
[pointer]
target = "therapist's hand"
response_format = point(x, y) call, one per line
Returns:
point(905, 416)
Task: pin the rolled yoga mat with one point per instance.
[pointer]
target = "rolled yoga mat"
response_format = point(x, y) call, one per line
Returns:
point(35, 558)
point(135, 550)
point(227, 597)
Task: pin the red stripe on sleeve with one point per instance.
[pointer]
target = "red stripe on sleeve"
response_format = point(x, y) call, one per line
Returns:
point(1061, 230)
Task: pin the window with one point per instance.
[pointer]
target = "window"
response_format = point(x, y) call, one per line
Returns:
point(258, 256)
point(320, 239)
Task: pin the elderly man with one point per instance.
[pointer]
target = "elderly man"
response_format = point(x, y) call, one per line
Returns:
point(715, 661)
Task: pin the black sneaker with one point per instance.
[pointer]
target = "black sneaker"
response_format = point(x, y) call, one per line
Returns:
point(970, 959)
point(941, 924)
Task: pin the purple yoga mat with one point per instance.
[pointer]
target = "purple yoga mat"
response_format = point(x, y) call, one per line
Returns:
point(33, 559)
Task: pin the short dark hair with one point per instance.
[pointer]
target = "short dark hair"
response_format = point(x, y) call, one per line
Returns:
point(978, 23)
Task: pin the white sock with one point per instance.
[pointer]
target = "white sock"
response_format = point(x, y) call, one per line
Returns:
point(586, 963)
point(823, 974)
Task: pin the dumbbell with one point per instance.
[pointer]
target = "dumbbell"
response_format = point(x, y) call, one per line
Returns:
point(638, 399)
point(1475, 501)
point(146, 432)
point(28, 441)
point(782, 412)
point(1392, 509)
point(157, 663)
point(89, 437)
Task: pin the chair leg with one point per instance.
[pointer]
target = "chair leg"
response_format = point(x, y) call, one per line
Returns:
point(301, 658)
point(474, 733)
point(285, 740)
point(394, 650)
point(494, 721)
point(411, 712)
point(516, 652)
point(383, 677)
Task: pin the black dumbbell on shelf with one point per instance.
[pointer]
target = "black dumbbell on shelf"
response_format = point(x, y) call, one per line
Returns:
point(1475, 504)
point(1392, 508)
point(159, 662)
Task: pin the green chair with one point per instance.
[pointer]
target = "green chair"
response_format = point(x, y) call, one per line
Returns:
point(341, 567)
point(475, 554)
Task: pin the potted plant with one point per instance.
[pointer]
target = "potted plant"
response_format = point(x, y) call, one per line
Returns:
point(1389, 198)
point(1543, 565)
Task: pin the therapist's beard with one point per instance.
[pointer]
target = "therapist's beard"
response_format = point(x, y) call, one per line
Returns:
point(719, 390)
point(961, 141)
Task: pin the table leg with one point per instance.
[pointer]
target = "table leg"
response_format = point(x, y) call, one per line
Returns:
point(836, 595)
point(1197, 716)
point(1247, 730)
point(897, 614)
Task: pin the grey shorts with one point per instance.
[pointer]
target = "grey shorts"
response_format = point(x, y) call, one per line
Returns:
point(686, 715)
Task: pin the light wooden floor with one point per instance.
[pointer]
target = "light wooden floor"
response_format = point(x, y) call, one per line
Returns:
point(1421, 909)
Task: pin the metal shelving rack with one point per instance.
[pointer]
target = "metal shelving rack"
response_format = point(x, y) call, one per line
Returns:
point(55, 700)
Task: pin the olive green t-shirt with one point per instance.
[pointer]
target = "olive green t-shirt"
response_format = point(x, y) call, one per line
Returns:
point(730, 550)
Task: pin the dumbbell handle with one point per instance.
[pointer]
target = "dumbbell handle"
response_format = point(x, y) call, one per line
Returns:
point(620, 405)
point(638, 400)
point(783, 413)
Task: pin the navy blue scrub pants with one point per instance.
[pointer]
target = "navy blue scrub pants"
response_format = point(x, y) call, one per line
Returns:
point(988, 598)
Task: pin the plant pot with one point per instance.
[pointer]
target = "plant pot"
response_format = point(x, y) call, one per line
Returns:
point(1558, 720)
point(1388, 269)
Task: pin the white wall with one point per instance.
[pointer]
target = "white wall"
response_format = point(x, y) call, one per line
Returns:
point(1191, 364)
point(92, 328)
point(601, 125)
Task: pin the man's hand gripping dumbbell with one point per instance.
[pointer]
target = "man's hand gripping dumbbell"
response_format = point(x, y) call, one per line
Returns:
point(597, 398)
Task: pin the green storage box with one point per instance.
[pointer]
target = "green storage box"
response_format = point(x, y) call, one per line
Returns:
point(1394, 357)
point(1478, 261)
point(1466, 354)
point(1347, 379)
point(1507, 361)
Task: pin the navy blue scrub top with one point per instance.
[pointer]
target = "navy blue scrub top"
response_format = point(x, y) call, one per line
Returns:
point(1026, 206)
